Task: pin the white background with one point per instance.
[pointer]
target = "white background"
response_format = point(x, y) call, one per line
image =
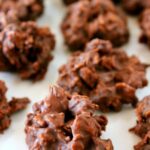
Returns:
point(119, 123)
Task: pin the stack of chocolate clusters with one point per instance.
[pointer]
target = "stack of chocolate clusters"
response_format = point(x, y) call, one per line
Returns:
point(99, 76)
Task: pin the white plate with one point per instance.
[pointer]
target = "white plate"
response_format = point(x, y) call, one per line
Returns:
point(119, 123)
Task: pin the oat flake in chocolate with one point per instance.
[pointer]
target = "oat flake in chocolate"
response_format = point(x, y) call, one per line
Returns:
point(89, 19)
point(107, 75)
point(65, 122)
point(142, 127)
point(8, 108)
point(26, 49)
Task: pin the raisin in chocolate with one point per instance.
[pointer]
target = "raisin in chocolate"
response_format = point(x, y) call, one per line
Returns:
point(89, 19)
point(26, 49)
point(9, 108)
point(107, 75)
point(63, 121)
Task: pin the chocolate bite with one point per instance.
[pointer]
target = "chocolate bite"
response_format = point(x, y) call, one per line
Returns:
point(86, 20)
point(22, 9)
point(145, 26)
point(142, 127)
point(63, 121)
point(26, 49)
point(107, 75)
point(9, 108)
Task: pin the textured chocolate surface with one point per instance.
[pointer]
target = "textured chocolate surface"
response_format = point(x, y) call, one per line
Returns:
point(142, 127)
point(6, 20)
point(22, 9)
point(65, 122)
point(107, 75)
point(26, 49)
point(135, 6)
point(143, 117)
point(145, 26)
point(144, 144)
point(89, 19)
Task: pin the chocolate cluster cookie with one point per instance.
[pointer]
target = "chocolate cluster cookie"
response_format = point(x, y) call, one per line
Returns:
point(135, 6)
point(107, 75)
point(9, 108)
point(142, 128)
point(65, 122)
point(26, 49)
point(22, 9)
point(145, 26)
point(90, 19)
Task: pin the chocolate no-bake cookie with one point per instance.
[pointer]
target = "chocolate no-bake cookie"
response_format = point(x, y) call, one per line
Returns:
point(142, 128)
point(107, 75)
point(65, 122)
point(145, 26)
point(89, 19)
point(22, 9)
point(26, 48)
point(135, 6)
point(8, 108)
